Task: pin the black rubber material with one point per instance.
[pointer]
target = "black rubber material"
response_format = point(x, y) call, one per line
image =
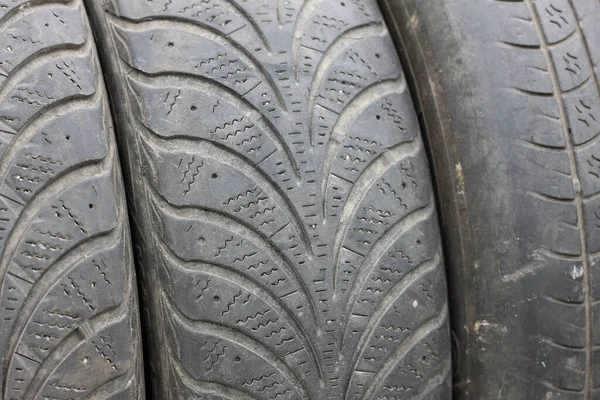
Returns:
point(511, 104)
point(287, 233)
point(68, 318)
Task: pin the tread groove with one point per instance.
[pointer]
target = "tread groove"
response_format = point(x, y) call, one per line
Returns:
point(246, 231)
point(40, 289)
point(214, 150)
point(406, 346)
point(270, 126)
point(196, 26)
point(381, 89)
point(31, 4)
point(67, 345)
point(252, 22)
point(339, 45)
point(227, 274)
point(245, 341)
point(49, 192)
point(57, 53)
point(365, 181)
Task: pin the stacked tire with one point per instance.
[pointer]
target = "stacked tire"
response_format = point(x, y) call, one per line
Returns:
point(325, 199)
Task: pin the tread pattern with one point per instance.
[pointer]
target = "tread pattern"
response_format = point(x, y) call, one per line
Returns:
point(283, 198)
point(559, 41)
point(69, 324)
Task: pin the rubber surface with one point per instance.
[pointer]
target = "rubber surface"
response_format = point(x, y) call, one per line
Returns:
point(287, 231)
point(69, 322)
point(511, 102)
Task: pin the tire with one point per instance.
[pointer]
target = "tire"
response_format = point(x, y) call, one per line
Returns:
point(70, 323)
point(279, 259)
point(511, 104)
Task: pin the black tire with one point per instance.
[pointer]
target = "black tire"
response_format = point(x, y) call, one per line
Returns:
point(69, 324)
point(244, 199)
point(511, 103)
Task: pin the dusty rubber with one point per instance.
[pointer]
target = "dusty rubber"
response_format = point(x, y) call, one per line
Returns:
point(68, 319)
point(511, 103)
point(285, 222)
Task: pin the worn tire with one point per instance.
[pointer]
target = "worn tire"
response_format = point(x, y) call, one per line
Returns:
point(511, 103)
point(69, 318)
point(285, 219)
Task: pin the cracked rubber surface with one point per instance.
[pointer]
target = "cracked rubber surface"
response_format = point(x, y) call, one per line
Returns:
point(285, 223)
point(68, 310)
point(511, 101)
